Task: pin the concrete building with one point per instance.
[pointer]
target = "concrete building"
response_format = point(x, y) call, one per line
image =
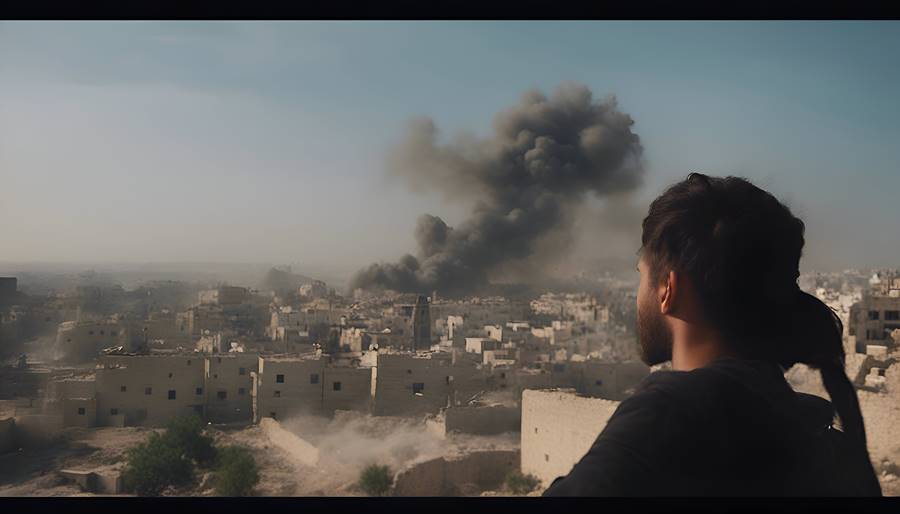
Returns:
point(347, 388)
point(411, 384)
point(229, 386)
point(874, 319)
point(149, 390)
point(558, 428)
point(289, 386)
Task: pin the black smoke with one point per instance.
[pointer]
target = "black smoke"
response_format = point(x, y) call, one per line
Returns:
point(545, 156)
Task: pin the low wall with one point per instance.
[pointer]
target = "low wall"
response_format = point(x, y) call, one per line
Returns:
point(558, 428)
point(490, 420)
point(462, 475)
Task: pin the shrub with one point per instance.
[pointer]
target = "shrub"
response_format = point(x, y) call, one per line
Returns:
point(155, 465)
point(236, 472)
point(521, 484)
point(186, 434)
point(376, 480)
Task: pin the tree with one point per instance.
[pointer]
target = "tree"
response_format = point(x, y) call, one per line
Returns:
point(376, 480)
point(155, 465)
point(521, 484)
point(236, 472)
point(186, 434)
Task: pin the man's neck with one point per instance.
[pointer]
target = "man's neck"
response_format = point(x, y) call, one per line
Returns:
point(692, 349)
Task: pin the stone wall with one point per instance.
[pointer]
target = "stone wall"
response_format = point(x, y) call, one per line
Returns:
point(558, 428)
point(461, 475)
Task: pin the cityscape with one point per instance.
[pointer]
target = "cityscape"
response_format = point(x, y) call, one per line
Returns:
point(398, 259)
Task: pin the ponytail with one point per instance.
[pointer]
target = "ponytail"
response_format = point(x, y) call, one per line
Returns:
point(817, 341)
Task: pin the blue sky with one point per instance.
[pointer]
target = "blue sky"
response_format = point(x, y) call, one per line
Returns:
point(265, 142)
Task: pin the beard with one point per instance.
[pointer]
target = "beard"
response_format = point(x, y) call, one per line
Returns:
point(654, 335)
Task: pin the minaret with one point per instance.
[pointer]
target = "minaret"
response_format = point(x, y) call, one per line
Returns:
point(421, 323)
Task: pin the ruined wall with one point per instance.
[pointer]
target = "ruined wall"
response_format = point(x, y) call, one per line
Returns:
point(82, 341)
point(488, 420)
point(149, 390)
point(300, 391)
point(558, 428)
point(228, 386)
point(461, 475)
point(347, 388)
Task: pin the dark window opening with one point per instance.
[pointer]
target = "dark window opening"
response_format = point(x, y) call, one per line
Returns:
point(189, 362)
point(598, 382)
point(242, 371)
point(314, 378)
point(101, 332)
point(272, 415)
point(81, 411)
point(199, 390)
point(418, 387)
point(336, 386)
point(123, 389)
point(219, 359)
point(873, 315)
point(148, 390)
point(892, 315)
point(114, 412)
point(172, 394)
point(409, 372)
point(90, 332)
point(222, 395)
point(170, 375)
point(277, 394)
point(242, 391)
point(279, 379)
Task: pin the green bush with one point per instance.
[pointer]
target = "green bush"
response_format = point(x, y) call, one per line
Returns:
point(186, 434)
point(521, 484)
point(376, 480)
point(236, 472)
point(155, 465)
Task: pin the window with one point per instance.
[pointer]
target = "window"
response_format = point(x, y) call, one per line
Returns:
point(546, 458)
point(409, 372)
point(314, 378)
point(199, 390)
point(336, 386)
point(503, 375)
point(598, 382)
point(535, 430)
point(242, 391)
point(148, 390)
point(222, 395)
point(189, 362)
point(418, 387)
point(892, 315)
point(215, 375)
point(242, 371)
point(170, 375)
point(279, 379)
point(272, 415)
point(873, 315)
point(114, 412)
point(81, 411)
point(123, 389)
point(101, 332)
point(172, 393)
point(277, 394)
point(90, 332)
point(219, 359)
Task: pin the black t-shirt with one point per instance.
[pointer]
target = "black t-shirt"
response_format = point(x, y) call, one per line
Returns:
point(732, 428)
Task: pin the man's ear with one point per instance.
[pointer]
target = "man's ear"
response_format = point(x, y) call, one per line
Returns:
point(667, 298)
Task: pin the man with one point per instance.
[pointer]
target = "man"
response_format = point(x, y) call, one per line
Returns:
point(718, 297)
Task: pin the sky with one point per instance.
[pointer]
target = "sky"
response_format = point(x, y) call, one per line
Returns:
point(267, 141)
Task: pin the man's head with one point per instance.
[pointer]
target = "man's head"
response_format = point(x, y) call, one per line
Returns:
point(719, 256)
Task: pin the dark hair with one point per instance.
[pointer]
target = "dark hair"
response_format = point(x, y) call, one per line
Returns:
point(741, 249)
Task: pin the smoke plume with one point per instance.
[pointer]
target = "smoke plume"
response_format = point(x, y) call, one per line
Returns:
point(527, 179)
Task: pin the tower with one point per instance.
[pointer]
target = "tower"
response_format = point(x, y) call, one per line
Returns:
point(421, 324)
